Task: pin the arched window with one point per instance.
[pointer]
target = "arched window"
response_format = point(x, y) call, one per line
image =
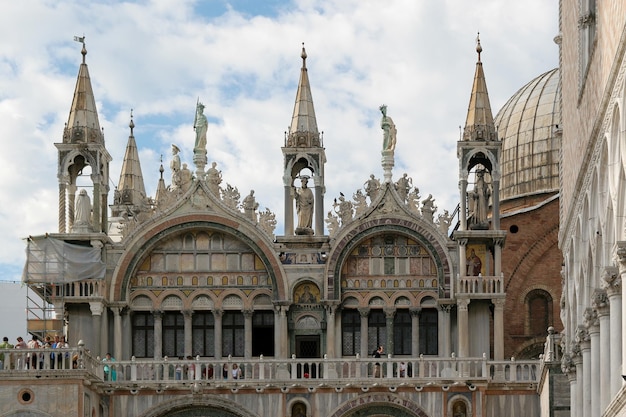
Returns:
point(402, 332)
point(538, 312)
point(428, 325)
point(351, 332)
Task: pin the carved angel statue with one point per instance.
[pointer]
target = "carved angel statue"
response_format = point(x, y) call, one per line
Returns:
point(230, 196)
point(360, 203)
point(214, 178)
point(249, 206)
point(386, 123)
point(443, 221)
point(413, 200)
point(343, 208)
point(428, 208)
point(267, 221)
point(332, 224)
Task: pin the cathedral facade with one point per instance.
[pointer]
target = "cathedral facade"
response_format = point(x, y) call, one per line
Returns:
point(377, 305)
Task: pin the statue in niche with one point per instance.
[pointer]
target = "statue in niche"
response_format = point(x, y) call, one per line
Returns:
point(360, 203)
point(389, 137)
point(479, 202)
point(403, 185)
point(249, 206)
point(343, 208)
point(175, 166)
point(214, 178)
point(185, 178)
point(200, 125)
point(372, 187)
point(332, 224)
point(82, 211)
point(304, 207)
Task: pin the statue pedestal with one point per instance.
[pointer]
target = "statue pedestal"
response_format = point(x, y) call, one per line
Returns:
point(388, 163)
point(199, 160)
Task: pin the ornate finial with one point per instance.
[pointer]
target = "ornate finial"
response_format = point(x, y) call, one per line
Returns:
point(161, 169)
point(479, 48)
point(83, 51)
point(131, 124)
point(303, 55)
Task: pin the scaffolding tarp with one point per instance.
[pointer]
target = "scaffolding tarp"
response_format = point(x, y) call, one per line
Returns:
point(54, 261)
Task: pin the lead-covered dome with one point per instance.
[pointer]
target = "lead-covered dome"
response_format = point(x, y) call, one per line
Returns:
point(528, 125)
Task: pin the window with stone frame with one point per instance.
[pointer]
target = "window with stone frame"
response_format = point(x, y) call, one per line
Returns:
point(376, 330)
point(233, 334)
point(350, 332)
point(143, 334)
point(402, 332)
point(203, 333)
point(538, 312)
point(173, 326)
point(428, 331)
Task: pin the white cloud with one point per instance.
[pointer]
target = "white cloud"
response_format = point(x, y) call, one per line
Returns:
point(158, 57)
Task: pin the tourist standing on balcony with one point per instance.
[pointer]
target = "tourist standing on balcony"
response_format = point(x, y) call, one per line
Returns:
point(110, 374)
point(377, 354)
point(60, 343)
point(33, 344)
point(5, 345)
point(21, 344)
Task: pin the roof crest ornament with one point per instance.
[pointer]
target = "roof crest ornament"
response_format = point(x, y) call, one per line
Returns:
point(479, 48)
point(81, 39)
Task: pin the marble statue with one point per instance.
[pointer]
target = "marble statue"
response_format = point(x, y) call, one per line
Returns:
point(343, 208)
point(360, 203)
point(386, 123)
point(403, 186)
point(428, 208)
point(444, 221)
point(413, 200)
point(332, 224)
point(250, 205)
point(304, 207)
point(214, 178)
point(82, 211)
point(200, 125)
point(479, 202)
point(372, 187)
point(175, 166)
point(185, 178)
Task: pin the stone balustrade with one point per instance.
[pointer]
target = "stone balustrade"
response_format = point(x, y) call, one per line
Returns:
point(421, 371)
point(479, 285)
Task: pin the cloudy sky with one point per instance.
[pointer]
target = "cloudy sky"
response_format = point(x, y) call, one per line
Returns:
point(241, 58)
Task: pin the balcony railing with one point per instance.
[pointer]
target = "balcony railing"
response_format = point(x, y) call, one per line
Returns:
point(262, 371)
point(479, 285)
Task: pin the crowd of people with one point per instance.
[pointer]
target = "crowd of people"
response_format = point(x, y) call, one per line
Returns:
point(31, 360)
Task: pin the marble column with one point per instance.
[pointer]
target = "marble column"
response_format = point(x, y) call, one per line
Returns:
point(364, 312)
point(569, 368)
point(217, 318)
point(390, 313)
point(593, 327)
point(621, 256)
point(601, 306)
point(96, 308)
point(188, 336)
point(415, 331)
point(318, 206)
point(62, 207)
point(71, 201)
point(284, 332)
point(498, 328)
point(613, 284)
point(577, 400)
point(463, 209)
point(288, 183)
point(158, 334)
point(584, 373)
point(463, 324)
point(117, 332)
point(247, 326)
point(444, 335)
point(331, 308)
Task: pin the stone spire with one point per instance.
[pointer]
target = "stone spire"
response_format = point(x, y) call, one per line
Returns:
point(303, 130)
point(131, 191)
point(161, 188)
point(82, 123)
point(479, 123)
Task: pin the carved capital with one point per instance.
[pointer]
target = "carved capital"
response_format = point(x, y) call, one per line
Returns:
point(187, 313)
point(415, 311)
point(611, 280)
point(364, 312)
point(498, 303)
point(621, 255)
point(567, 365)
point(590, 318)
point(600, 302)
point(390, 313)
point(462, 304)
point(157, 314)
point(218, 313)
point(446, 308)
point(247, 312)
